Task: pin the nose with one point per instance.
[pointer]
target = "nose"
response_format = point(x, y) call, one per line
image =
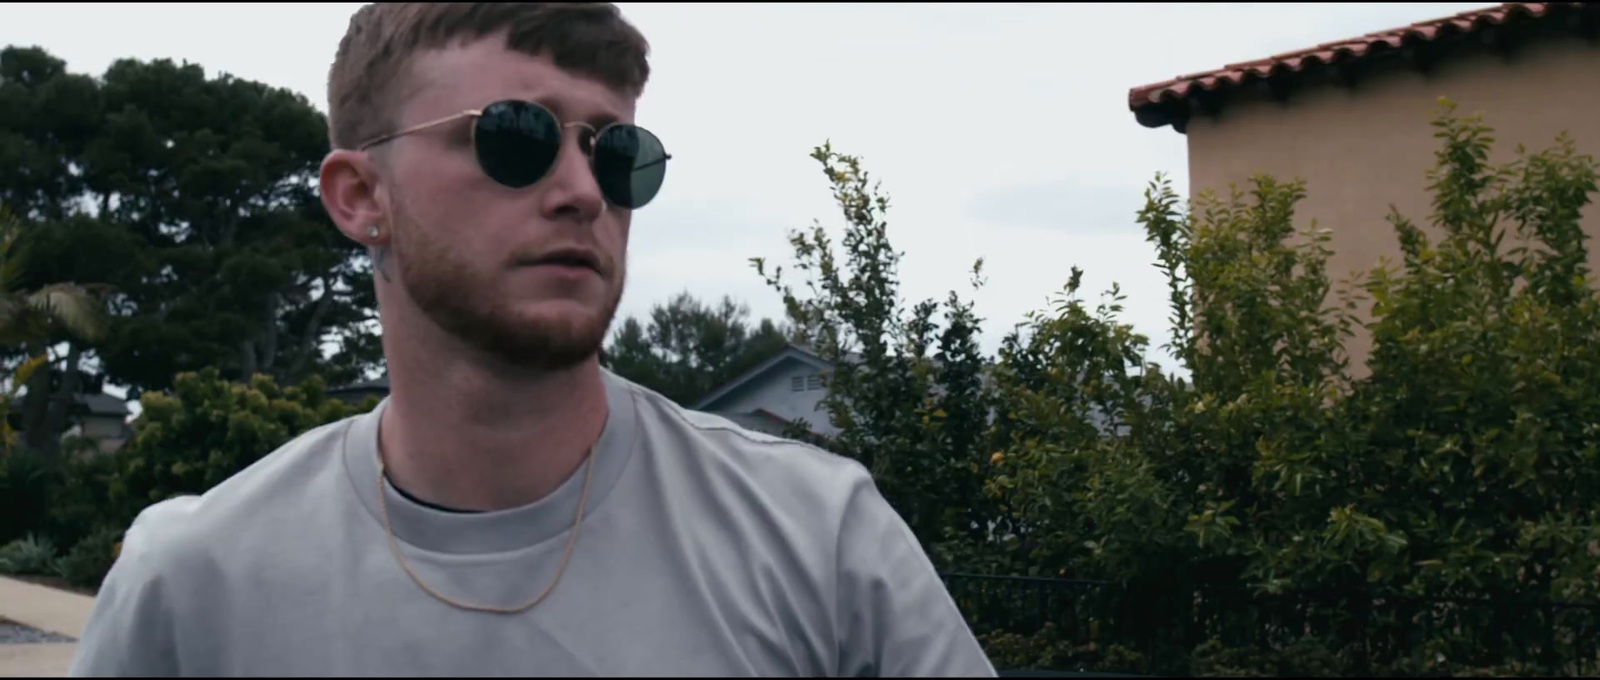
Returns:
point(570, 192)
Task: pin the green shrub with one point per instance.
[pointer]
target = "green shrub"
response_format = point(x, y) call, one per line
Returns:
point(1046, 649)
point(28, 480)
point(187, 441)
point(79, 497)
point(85, 566)
point(1327, 658)
point(31, 556)
point(1303, 658)
point(1466, 465)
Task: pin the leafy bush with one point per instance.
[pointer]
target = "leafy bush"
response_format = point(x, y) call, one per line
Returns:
point(1323, 657)
point(1463, 468)
point(187, 441)
point(87, 563)
point(27, 481)
point(1303, 658)
point(207, 430)
point(1045, 649)
point(78, 497)
point(31, 556)
point(906, 387)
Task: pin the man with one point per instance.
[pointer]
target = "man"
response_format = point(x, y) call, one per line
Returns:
point(511, 508)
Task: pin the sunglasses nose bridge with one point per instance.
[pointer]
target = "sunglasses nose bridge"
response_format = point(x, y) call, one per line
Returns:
point(586, 138)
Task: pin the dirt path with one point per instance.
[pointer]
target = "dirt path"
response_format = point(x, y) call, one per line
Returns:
point(44, 660)
point(51, 610)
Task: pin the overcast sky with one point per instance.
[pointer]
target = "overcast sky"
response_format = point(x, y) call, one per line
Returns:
point(1000, 131)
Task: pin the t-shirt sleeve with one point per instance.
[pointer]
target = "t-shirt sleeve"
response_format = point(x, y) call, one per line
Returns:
point(130, 629)
point(897, 618)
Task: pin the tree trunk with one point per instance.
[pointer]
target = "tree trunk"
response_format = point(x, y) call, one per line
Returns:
point(313, 332)
point(65, 397)
point(229, 230)
point(269, 345)
point(49, 414)
point(36, 409)
point(247, 359)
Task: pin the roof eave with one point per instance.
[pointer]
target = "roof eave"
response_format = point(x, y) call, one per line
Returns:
point(790, 350)
point(1168, 102)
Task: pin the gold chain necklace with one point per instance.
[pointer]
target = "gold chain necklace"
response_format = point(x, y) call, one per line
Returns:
point(577, 524)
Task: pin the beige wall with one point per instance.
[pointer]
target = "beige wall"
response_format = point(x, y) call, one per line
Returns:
point(1361, 150)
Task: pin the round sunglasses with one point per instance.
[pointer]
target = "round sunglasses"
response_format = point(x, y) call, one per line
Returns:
point(517, 142)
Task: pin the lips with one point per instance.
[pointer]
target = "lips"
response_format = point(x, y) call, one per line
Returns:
point(566, 257)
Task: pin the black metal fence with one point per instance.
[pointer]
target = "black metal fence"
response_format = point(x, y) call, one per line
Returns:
point(1164, 623)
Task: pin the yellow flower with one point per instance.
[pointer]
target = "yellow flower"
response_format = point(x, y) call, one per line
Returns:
point(996, 458)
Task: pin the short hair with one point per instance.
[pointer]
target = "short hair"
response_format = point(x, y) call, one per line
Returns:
point(590, 39)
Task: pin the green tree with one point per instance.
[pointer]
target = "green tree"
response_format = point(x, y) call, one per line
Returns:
point(29, 321)
point(27, 317)
point(689, 348)
point(204, 431)
point(1268, 506)
point(1463, 467)
point(194, 199)
point(907, 388)
point(1493, 332)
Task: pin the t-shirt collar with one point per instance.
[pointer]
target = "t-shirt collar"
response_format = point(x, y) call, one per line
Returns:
point(500, 530)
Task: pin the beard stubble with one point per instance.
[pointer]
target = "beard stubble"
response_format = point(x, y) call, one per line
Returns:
point(464, 303)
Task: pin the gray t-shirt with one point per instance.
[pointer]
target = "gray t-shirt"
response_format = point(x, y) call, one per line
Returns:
point(706, 550)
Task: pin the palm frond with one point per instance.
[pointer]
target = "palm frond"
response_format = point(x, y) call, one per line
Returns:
point(78, 309)
point(18, 378)
point(22, 374)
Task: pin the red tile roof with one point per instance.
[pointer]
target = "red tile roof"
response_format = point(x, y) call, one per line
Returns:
point(1166, 102)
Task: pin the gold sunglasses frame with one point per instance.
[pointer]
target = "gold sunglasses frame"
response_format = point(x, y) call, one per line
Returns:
point(478, 113)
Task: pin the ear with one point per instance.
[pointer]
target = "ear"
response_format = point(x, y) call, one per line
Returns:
point(351, 188)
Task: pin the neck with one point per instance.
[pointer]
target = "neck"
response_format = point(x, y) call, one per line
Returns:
point(469, 433)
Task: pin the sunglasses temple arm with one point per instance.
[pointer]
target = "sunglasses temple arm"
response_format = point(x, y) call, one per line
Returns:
point(420, 127)
point(654, 163)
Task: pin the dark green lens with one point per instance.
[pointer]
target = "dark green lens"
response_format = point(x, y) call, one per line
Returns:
point(629, 164)
point(517, 142)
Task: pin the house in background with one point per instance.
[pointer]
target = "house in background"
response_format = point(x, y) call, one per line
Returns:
point(356, 393)
point(102, 419)
point(1352, 118)
point(791, 386)
point(785, 388)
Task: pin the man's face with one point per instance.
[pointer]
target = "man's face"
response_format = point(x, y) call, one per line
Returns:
point(464, 248)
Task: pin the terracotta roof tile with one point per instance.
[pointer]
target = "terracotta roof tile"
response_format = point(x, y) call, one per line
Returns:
point(1152, 102)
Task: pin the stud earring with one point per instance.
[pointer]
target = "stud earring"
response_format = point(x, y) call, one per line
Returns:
point(372, 231)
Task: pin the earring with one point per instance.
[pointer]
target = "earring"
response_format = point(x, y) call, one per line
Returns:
point(372, 231)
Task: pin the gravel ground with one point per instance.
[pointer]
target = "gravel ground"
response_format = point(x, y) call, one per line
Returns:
point(13, 633)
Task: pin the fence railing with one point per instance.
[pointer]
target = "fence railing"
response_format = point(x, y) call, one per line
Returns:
point(1371, 630)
